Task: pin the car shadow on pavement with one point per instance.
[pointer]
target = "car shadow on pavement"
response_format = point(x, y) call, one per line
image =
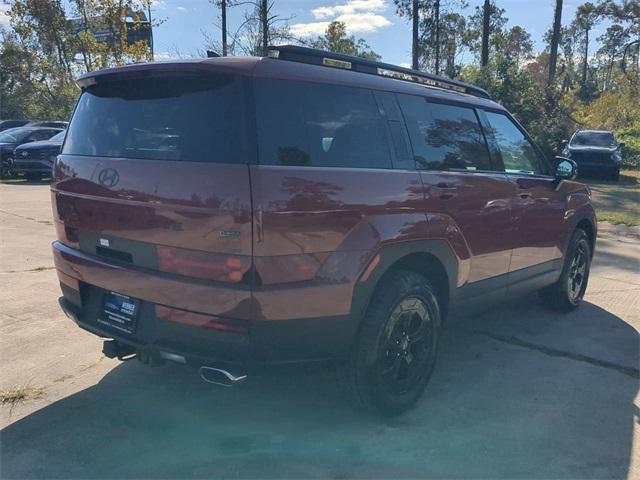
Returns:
point(23, 182)
point(498, 405)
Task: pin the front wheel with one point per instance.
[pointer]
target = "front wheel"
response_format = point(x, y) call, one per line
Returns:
point(567, 293)
point(396, 348)
point(6, 170)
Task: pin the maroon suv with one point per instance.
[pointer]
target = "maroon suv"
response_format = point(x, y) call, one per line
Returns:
point(232, 213)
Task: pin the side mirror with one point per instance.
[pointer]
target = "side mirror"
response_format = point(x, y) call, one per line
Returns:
point(564, 143)
point(566, 169)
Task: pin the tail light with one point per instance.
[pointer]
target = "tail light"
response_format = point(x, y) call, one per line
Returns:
point(67, 235)
point(192, 319)
point(205, 265)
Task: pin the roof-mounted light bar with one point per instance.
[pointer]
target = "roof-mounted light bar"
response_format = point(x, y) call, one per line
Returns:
point(312, 56)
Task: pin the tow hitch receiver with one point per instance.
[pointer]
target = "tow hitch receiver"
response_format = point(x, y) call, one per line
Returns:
point(113, 349)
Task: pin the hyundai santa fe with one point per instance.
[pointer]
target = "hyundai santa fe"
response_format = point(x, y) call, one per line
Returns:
point(237, 213)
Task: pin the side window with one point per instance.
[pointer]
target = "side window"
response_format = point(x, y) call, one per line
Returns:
point(320, 126)
point(517, 152)
point(445, 136)
point(40, 135)
point(399, 139)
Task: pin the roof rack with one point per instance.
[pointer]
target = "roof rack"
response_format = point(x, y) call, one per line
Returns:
point(313, 56)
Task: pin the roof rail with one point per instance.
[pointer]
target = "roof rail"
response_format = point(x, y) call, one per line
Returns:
point(313, 56)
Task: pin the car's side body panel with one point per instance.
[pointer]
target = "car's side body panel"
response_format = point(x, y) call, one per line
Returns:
point(316, 229)
point(479, 205)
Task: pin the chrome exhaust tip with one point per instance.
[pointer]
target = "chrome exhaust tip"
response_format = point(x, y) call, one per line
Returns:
point(219, 376)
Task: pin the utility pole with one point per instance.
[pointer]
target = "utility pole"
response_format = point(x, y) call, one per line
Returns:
point(415, 53)
point(486, 25)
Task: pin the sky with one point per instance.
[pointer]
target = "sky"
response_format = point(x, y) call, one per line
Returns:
point(186, 23)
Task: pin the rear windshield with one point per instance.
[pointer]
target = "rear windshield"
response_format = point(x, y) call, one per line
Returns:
point(185, 118)
point(594, 139)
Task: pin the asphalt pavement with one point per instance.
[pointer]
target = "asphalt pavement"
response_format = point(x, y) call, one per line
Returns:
point(518, 392)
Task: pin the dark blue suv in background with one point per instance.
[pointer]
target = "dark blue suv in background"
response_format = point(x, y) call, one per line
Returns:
point(596, 152)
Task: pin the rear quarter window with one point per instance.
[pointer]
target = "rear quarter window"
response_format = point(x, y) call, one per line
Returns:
point(304, 124)
point(178, 118)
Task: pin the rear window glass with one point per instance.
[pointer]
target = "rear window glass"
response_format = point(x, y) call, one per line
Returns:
point(320, 125)
point(594, 139)
point(198, 119)
point(445, 136)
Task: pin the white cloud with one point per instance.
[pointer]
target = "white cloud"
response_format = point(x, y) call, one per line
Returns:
point(164, 56)
point(349, 8)
point(180, 8)
point(158, 4)
point(309, 29)
point(359, 16)
point(4, 14)
point(363, 22)
point(405, 65)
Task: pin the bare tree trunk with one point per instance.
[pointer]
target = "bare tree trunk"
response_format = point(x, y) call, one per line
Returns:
point(486, 17)
point(415, 53)
point(223, 14)
point(555, 40)
point(153, 55)
point(437, 19)
point(585, 63)
point(264, 21)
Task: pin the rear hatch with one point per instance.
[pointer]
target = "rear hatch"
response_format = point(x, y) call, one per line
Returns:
point(153, 178)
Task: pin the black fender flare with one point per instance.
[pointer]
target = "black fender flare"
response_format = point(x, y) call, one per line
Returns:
point(389, 255)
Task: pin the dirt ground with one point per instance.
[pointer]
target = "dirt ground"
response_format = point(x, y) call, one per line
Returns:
point(518, 392)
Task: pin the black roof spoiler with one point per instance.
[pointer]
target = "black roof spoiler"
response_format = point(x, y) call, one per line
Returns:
point(313, 56)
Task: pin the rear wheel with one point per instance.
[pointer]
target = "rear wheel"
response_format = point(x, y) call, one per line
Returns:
point(396, 348)
point(567, 293)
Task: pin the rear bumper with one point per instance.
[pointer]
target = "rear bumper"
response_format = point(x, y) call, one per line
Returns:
point(85, 279)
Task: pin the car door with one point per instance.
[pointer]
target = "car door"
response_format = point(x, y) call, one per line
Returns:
point(538, 206)
point(327, 194)
point(462, 188)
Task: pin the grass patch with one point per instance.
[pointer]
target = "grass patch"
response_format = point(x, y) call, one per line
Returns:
point(19, 395)
point(617, 202)
point(618, 219)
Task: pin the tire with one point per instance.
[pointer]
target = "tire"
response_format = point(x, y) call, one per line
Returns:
point(33, 176)
point(396, 348)
point(615, 176)
point(6, 171)
point(567, 293)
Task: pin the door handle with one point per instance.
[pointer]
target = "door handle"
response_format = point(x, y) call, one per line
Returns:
point(445, 191)
point(524, 194)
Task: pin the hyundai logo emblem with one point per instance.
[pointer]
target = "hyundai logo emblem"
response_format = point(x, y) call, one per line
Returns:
point(108, 177)
point(25, 153)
